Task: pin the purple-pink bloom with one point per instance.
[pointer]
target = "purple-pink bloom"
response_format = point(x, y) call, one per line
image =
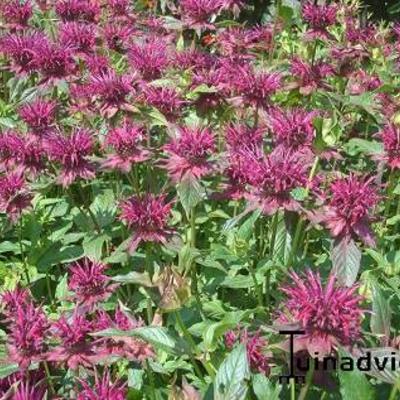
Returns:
point(126, 142)
point(117, 36)
point(331, 315)
point(39, 115)
point(79, 36)
point(89, 283)
point(16, 13)
point(390, 135)
point(319, 18)
point(361, 82)
point(12, 299)
point(78, 10)
point(27, 390)
point(240, 136)
point(103, 389)
point(189, 153)
point(147, 216)
point(72, 153)
point(197, 13)
point(119, 7)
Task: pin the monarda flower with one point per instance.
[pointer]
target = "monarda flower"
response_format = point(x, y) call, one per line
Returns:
point(16, 13)
point(102, 389)
point(111, 91)
point(167, 100)
point(255, 347)
point(235, 6)
point(350, 202)
point(78, 10)
point(197, 13)
point(310, 77)
point(14, 196)
point(79, 36)
point(330, 316)
point(126, 142)
point(97, 64)
point(319, 18)
point(147, 216)
point(89, 283)
point(119, 7)
point(189, 154)
point(75, 347)
point(240, 136)
point(361, 82)
point(292, 128)
point(149, 58)
point(72, 153)
point(26, 390)
point(27, 335)
point(117, 36)
point(391, 142)
point(11, 300)
point(38, 115)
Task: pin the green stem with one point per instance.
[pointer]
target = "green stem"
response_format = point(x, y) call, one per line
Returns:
point(292, 389)
point(152, 382)
point(390, 194)
point(49, 378)
point(26, 271)
point(309, 377)
point(295, 242)
point(195, 283)
point(393, 393)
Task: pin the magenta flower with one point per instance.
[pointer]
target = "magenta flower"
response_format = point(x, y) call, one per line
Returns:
point(391, 142)
point(27, 334)
point(192, 58)
point(189, 154)
point(233, 5)
point(197, 13)
point(149, 58)
point(71, 152)
point(255, 346)
point(167, 100)
point(14, 196)
point(273, 179)
point(29, 391)
point(239, 137)
point(117, 36)
point(23, 49)
point(89, 283)
point(79, 36)
point(360, 35)
point(147, 216)
point(39, 115)
point(119, 7)
point(78, 10)
point(11, 300)
point(127, 145)
point(330, 316)
point(103, 389)
point(361, 82)
point(292, 128)
point(319, 18)
point(310, 77)
point(16, 13)
point(75, 347)
point(349, 205)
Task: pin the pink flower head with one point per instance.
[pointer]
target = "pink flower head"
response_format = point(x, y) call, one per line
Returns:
point(330, 316)
point(273, 179)
point(241, 136)
point(16, 12)
point(147, 216)
point(119, 7)
point(360, 35)
point(197, 13)
point(391, 142)
point(149, 58)
point(71, 152)
point(117, 36)
point(233, 5)
point(349, 205)
point(28, 330)
point(319, 18)
point(75, 347)
point(255, 345)
point(103, 389)
point(78, 10)
point(23, 49)
point(126, 142)
point(55, 62)
point(38, 115)
point(14, 196)
point(256, 89)
point(30, 391)
point(189, 153)
point(310, 77)
point(11, 300)
point(361, 82)
point(89, 283)
point(192, 58)
point(292, 128)
point(111, 91)
point(97, 64)
point(79, 36)
point(167, 100)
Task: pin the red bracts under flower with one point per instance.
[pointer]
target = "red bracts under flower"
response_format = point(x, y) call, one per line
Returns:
point(89, 283)
point(147, 216)
point(16, 13)
point(255, 346)
point(391, 142)
point(71, 152)
point(189, 153)
point(347, 213)
point(102, 389)
point(38, 115)
point(78, 10)
point(79, 36)
point(319, 18)
point(197, 13)
point(127, 143)
point(330, 316)
point(14, 197)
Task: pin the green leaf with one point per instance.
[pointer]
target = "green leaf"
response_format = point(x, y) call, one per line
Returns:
point(264, 389)
point(346, 258)
point(7, 370)
point(62, 291)
point(93, 246)
point(357, 145)
point(353, 384)
point(247, 228)
point(138, 278)
point(232, 376)
point(381, 313)
point(190, 193)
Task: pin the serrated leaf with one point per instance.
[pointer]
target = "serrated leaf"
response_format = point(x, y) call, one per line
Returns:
point(381, 313)
point(190, 193)
point(264, 389)
point(346, 258)
point(232, 376)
